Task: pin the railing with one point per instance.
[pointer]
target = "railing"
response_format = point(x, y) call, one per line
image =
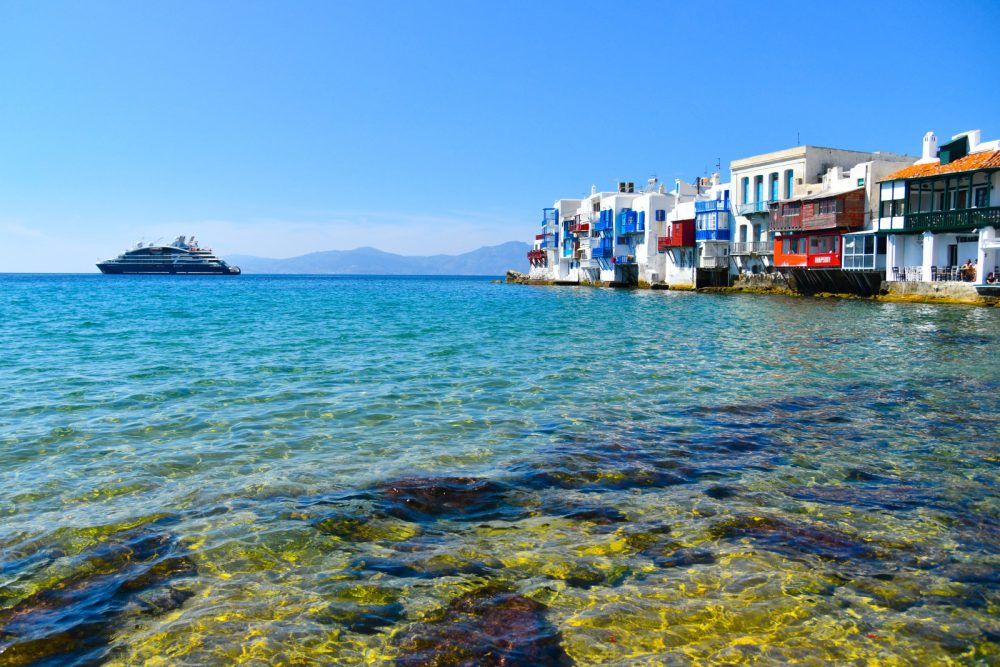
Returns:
point(711, 206)
point(664, 242)
point(633, 227)
point(589, 264)
point(601, 252)
point(713, 262)
point(580, 227)
point(711, 235)
point(753, 207)
point(603, 225)
point(753, 248)
point(940, 220)
point(624, 260)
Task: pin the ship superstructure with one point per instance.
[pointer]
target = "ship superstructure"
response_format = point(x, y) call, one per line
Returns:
point(182, 257)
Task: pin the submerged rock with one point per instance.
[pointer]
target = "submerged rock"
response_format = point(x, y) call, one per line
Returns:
point(604, 467)
point(422, 499)
point(363, 619)
point(72, 621)
point(488, 627)
point(792, 539)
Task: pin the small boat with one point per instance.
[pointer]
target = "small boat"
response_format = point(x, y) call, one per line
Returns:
point(182, 257)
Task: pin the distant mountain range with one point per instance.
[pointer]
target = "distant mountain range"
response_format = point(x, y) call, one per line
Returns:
point(486, 261)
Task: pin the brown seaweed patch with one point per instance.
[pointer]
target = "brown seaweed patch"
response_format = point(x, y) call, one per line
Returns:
point(72, 620)
point(792, 540)
point(423, 499)
point(489, 627)
point(605, 467)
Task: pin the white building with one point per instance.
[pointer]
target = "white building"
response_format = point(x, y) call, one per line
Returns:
point(943, 211)
point(763, 179)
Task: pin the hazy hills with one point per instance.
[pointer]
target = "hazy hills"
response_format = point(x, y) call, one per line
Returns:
point(486, 261)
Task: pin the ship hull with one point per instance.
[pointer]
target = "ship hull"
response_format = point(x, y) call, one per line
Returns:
point(167, 268)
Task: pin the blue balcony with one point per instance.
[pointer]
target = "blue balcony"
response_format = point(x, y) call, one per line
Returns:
point(630, 222)
point(625, 260)
point(711, 206)
point(601, 252)
point(603, 226)
point(711, 235)
point(712, 225)
point(550, 216)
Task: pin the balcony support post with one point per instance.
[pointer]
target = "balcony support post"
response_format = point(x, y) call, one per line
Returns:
point(986, 235)
point(928, 256)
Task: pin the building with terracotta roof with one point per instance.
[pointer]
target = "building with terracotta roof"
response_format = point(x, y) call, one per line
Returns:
point(942, 212)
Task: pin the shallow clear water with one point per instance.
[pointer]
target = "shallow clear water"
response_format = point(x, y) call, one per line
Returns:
point(448, 471)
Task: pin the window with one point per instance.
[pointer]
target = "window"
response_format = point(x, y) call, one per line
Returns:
point(897, 208)
point(746, 189)
point(661, 215)
point(774, 186)
point(821, 245)
point(981, 197)
point(758, 187)
point(828, 206)
point(791, 210)
point(789, 175)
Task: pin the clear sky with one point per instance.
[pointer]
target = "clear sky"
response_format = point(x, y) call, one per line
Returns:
point(280, 128)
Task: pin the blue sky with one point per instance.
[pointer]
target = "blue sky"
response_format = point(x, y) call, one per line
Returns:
point(278, 129)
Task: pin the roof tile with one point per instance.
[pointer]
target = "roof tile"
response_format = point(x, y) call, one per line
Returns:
point(984, 160)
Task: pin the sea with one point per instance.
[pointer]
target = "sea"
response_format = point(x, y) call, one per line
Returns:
point(347, 470)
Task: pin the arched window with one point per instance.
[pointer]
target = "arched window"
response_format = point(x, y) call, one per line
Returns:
point(746, 189)
point(774, 186)
point(789, 174)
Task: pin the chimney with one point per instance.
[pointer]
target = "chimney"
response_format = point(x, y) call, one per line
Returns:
point(929, 153)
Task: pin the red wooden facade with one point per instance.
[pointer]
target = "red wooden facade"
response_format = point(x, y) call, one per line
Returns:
point(679, 234)
point(826, 217)
point(815, 251)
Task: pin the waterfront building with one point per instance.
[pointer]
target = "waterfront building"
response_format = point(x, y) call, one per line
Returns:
point(824, 229)
point(604, 237)
point(712, 225)
point(693, 242)
point(943, 211)
point(762, 180)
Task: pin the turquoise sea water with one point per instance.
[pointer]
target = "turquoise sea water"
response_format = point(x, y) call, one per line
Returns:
point(348, 470)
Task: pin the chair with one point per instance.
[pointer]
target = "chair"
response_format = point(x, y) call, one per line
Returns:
point(895, 273)
point(934, 273)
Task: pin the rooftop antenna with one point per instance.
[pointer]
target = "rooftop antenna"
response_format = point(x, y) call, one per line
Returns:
point(798, 142)
point(718, 166)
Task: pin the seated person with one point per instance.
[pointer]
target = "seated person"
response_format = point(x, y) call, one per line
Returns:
point(991, 279)
point(968, 273)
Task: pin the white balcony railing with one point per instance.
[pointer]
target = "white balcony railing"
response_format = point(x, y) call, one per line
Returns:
point(753, 248)
point(713, 262)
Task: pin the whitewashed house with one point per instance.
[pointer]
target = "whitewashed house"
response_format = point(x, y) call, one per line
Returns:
point(943, 211)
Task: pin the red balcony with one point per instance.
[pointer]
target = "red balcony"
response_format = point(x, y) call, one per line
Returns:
point(680, 234)
point(580, 227)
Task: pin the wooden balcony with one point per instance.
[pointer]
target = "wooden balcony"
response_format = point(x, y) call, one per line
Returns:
point(947, 220)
